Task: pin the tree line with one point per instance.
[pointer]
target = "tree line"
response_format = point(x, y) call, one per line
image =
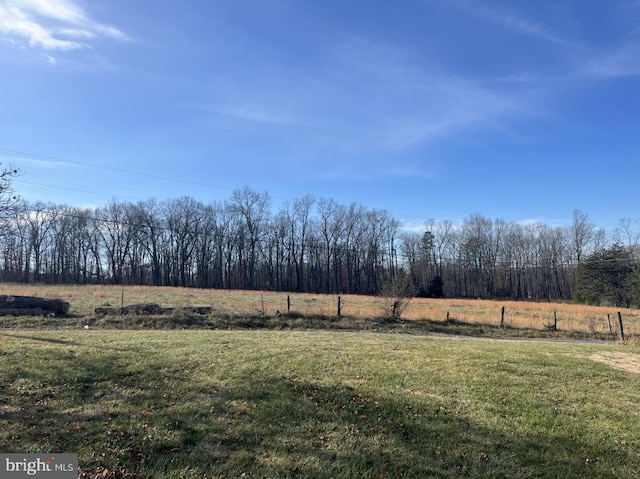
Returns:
point(307, 245)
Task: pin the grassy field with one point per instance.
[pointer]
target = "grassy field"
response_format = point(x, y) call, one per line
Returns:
point(227, 404)
point(312, 311)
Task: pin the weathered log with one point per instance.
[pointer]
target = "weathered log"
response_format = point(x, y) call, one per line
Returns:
point(144, 308)
point(30, 305)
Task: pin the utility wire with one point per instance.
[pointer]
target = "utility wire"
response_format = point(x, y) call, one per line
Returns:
point(137, 173)
point(117, 170)
point(74, 189)
point(131, 172)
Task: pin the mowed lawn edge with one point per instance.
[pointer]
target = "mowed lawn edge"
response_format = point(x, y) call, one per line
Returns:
point(319, 404)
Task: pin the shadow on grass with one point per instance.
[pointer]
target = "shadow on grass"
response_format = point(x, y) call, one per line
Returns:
point(43, 339)
point(415, 326)
point(160, 422)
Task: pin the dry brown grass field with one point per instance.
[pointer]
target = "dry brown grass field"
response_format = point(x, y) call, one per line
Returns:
point(518, 314)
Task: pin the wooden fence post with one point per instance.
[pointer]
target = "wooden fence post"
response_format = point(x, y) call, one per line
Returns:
point(609, 321)
point(339, 306)
point(555, 320)
point(288, 304)
point(620, 325)
point(502, 317)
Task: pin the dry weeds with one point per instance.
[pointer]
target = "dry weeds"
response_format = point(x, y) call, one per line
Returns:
point(518, 314)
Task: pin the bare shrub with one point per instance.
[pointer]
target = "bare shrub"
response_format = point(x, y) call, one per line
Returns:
point(395, 295)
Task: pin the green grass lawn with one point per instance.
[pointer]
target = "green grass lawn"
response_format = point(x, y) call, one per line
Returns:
point(228, 404)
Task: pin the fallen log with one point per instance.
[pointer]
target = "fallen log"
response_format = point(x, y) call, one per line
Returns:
point(32, 305)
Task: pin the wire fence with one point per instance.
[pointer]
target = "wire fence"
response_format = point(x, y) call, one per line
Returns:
point(567, 317)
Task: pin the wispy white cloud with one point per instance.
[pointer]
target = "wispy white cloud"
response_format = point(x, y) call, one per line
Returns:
point(49, 164)
point(14, 22)
point(583, 61)
point(75, 33)
point(383, 100)
point(530, 221)
point(50, 60)
point(512, 20)
point(413, 226)
point(520, 78)
point(351, 171)
point(362, 98)
point(256, 113)
point(52, 24)
point(63, 10)
point(449, 106)
point(623, 62)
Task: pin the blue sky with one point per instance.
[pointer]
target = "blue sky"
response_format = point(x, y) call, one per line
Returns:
point(427, 108)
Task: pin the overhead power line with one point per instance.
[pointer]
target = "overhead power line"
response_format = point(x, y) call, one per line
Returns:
point(75, 189)
point(117, 170)
point(136, 173)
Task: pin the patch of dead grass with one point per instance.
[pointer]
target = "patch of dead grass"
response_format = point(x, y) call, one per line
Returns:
point(629, 362)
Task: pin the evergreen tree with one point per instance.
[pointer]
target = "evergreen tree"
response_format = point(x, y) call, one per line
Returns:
point(436, 287)
point(634, 284)
point(605, 277)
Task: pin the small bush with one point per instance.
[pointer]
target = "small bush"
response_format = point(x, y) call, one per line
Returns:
point(395, 295)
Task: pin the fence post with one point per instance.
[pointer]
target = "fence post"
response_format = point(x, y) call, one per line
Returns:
point(620, 325)
point(262, 301)
point(609, 321)
point(288, 304)
point(502, 317)
point(555, 320)
point(339, 306)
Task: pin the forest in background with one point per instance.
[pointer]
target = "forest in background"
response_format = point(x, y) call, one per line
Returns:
point(316, 245)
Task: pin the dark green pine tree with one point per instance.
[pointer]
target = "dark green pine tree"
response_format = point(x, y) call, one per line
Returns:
point(634, 285)
point(605, 277)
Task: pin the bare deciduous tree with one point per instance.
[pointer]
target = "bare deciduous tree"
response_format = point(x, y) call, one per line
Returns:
point(253, 207)
point(325, 247)
point(395, 295)
point(8, 199)
point(581, 233)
